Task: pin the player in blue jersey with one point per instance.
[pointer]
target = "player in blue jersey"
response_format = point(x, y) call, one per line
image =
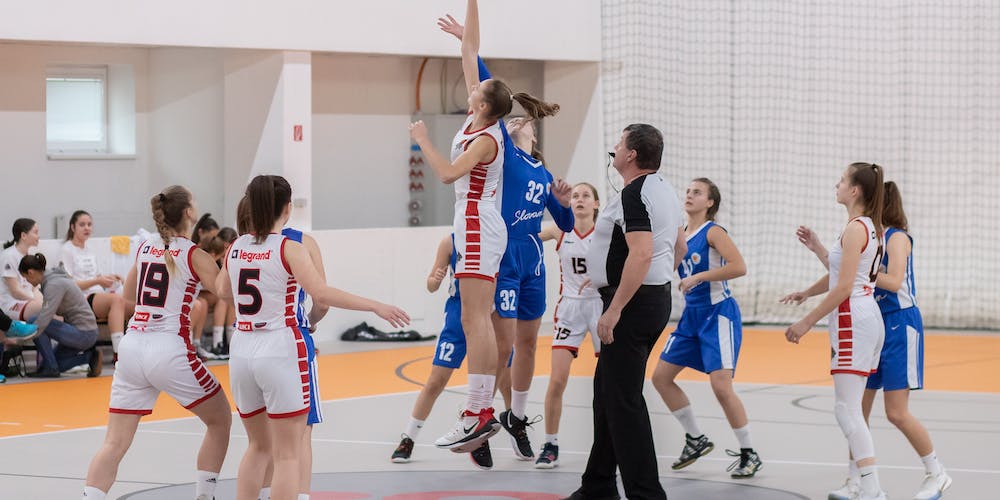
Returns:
point(710, 330)
point(528, 189)
point(448, 357)
point(901, 366)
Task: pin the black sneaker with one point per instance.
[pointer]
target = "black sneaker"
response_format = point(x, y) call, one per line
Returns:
point(44, 374)
point(694, 448)
point(482, 457)
point(95, 364)
point(403, 451)
point(548, 458)
point(577, 495)
point(746, 466)
point(518, 429)
point(220, 351)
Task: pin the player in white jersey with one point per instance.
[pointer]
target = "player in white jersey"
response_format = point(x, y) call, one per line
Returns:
point(855, 324)
point(268, 356)
point(474, 166)
point(18, 299)
point(576, 314)
point(710, 331)
point(901, 364)
point(157, 355)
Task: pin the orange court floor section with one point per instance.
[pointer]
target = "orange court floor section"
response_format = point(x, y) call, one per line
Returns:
point(952, 363)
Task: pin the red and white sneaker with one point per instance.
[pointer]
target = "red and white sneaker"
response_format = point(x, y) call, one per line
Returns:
point(470, 431)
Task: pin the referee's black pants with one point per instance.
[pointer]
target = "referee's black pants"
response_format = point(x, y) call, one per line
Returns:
point(623, 436)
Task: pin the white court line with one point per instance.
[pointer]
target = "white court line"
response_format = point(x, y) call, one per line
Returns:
point(178, 419)
point(571, 452)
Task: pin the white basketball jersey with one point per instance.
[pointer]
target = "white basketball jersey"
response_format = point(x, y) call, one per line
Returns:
point(572, 249)
point(163, 299)
point(871, 256)
point(265, 292)
point(481, 183)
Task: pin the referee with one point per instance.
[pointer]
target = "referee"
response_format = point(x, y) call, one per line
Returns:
point(638, 242)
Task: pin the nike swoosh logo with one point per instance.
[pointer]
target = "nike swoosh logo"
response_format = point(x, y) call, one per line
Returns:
point(894, 327)
point(469, 429)
point(866, 475)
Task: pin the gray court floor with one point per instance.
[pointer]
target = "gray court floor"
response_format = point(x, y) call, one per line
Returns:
point(793, 427)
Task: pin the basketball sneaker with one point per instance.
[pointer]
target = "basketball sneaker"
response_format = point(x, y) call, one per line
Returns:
point(403, 451)
point(548, 458)
point(849, 491)
point(694, 448)
point(746, 466)
point(518, 429)
point(470, 431)
point(22, 332)
point(933, 486)
point(482, 457)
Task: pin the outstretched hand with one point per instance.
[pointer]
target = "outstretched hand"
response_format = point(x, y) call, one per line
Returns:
point(418, 131)
point(394, 315)
point(794, 298)
point(809, 238)
point(449, 25)
point(563, 191)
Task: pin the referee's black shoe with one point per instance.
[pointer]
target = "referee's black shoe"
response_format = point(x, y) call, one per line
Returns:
point(577, 495)
point(518, 429)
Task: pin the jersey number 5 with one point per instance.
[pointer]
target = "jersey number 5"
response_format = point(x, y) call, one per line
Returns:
point(154, 281)
point(249, 290)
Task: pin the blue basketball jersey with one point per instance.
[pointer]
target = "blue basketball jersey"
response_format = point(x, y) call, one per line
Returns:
point(300, 312)
point(907, 295)
point(526, 188)
point(702, 257)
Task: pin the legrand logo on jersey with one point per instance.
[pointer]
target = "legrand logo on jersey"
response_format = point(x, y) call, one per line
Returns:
point(251, 256)
point(156, 252)
point(141, 316)
point(524, 215)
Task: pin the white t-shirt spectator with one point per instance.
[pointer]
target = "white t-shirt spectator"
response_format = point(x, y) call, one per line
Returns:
point(80, 264)
point(10, 259)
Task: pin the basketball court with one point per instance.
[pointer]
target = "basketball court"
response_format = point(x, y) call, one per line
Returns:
point(51, 435)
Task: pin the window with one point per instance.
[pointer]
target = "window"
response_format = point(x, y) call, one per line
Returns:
point(76, 109)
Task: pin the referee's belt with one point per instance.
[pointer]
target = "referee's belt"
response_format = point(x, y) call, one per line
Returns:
point(609, 291)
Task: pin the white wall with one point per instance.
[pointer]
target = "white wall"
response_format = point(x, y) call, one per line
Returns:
point(186, 124)
point(114, 191)
point(566, 30)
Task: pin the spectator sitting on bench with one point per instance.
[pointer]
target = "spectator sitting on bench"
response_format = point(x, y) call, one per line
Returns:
point(80, 263)
point(18, 299)
point(216, 247)
point(76, 335)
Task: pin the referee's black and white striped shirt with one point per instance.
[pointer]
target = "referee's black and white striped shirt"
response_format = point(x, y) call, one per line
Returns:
point(648, 203)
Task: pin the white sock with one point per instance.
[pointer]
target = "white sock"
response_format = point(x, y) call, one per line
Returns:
point(303, 496)
point(480, 392)
point(518, 403)
point(552, 438)
point(218, 334)
point(205, 484)
point(265, 493)
point(91, 493)
point(852, 470)
point(686, 418)
point(413, 428)
point(743, 436)
point(869, 481)
point(116, 339)
point(931, 463)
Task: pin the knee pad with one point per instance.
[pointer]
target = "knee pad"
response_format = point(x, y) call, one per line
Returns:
point(844, 418)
